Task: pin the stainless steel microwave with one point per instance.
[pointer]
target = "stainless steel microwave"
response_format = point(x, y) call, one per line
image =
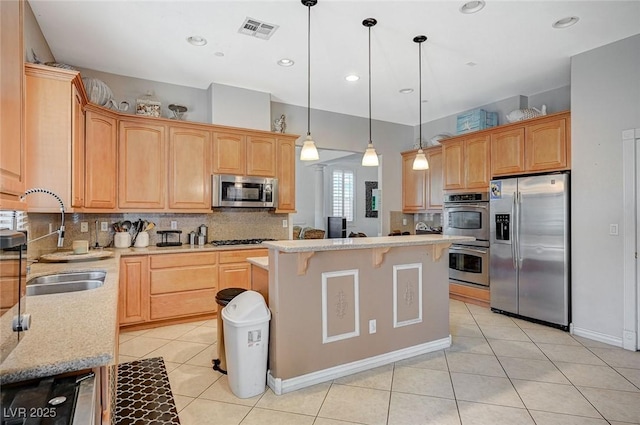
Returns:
point(242, 191)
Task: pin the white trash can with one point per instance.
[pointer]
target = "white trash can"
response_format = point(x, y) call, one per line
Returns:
point(246, 340)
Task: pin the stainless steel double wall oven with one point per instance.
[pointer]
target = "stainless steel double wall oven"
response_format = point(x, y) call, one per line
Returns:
point(467, 214)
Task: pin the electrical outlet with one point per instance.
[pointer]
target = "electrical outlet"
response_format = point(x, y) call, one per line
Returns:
point(404, 221)
point(284, 223)
point(174, 225)
point(84, 227)
point(50, 227)
point(372, 326)
point(104, 226)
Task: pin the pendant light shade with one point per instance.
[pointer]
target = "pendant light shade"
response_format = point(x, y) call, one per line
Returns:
point(370, 158)
point(309, 151)
point(420, 162)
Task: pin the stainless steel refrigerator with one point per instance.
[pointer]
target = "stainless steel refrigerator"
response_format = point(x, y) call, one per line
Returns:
point(529, 248)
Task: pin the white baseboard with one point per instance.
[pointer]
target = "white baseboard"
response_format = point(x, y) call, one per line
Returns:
point(283, 386)
point(597, 336)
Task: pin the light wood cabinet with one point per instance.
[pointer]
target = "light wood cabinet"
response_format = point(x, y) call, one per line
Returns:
point(54, 137)
point(142, 165)
point(467, 162)
point(189, 168)
point(261, 156)
point(538, 145)
point(234, 270)
point(12, 142)
point(229, 153)
point(183, 284)
point(414, 185)
point(101, 152)
point(286, 174)
point(422, 189)
point(134, 290)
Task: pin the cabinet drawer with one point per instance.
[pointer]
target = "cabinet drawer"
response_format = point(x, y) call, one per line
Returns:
point(182, 260)
point(183, 304)
point(241, 255)
point(184, 279)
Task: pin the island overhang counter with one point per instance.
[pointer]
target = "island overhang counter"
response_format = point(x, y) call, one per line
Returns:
point(341, 306)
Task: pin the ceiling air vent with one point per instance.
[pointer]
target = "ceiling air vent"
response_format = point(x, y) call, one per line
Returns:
point(258, 29)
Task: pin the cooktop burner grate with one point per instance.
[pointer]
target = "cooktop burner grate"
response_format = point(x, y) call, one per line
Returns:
point(239, 242)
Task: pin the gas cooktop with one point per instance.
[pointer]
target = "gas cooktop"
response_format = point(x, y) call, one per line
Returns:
point(239, 242)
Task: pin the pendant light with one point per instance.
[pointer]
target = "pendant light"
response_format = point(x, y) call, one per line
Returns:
point(420, 162)
point(370, 158)
point(309, 151)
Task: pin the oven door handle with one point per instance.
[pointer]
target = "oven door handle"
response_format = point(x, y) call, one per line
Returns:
point(483, 206)
point(459, 249)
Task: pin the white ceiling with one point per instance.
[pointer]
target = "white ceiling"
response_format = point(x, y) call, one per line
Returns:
point(512, 43)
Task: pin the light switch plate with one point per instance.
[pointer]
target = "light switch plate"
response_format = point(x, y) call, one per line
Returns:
point(613, 229)
point(104, 226)
point(84, 227)
point(284, 223)
point(372, 326)
point(174, 225)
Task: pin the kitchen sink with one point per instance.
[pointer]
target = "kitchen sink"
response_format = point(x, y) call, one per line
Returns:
point(65, 282)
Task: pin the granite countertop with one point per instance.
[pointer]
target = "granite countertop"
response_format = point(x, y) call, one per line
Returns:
point(306, 245)
point(262, 262)
point(77, 330)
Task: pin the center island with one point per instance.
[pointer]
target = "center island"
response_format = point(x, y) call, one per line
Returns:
point(342, 306)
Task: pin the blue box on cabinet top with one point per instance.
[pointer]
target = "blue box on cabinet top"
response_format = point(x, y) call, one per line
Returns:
point(475, 120)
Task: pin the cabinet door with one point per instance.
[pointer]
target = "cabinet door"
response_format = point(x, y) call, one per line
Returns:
point(229, 153)
point(453, 162)
point(435, 197)
point(507, 152)
point(414, 187)
point(261, 156)
point(234, 275)
point(477, 162)
point(101, 180)
point(286, 174)
point(134, 290)
point(142, 165)
point(546, 146)
point(189, 169)
point(77, 148)
point(12, 144)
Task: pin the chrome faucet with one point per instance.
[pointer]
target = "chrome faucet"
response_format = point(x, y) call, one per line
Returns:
point(60, 231)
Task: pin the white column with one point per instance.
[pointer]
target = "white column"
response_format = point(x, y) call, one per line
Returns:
point(318, 213)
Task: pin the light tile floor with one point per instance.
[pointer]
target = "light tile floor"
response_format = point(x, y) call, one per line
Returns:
point(498, 371)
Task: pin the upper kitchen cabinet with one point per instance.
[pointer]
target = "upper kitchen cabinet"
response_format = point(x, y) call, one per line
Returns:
point(55, 137)
point(142, 164)
point(101, 153)
point(244, 154)
point(229, 153)
point(537, 145)
point(422, 189)
point(12, 151)
point(286, 174)
point(189, 168)
point(466, 162)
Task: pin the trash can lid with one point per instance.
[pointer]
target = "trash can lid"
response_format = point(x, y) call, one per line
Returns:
point(224, 296)
point(246, 309)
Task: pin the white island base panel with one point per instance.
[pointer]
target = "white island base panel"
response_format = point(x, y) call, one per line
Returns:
point(283, 386)
point(342, 308)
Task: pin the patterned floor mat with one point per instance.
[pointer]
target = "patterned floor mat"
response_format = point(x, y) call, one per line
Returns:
point(144, 394)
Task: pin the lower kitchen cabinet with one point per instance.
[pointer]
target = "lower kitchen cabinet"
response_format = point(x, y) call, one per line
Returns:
point(183, 284)
point(134, 290)
point(235, 271)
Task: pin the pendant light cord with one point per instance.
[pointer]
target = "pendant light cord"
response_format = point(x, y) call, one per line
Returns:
point(420, 88)
point(309, 72)
point(370, 85)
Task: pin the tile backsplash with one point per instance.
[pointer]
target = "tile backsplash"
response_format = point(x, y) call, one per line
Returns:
point(223, 224)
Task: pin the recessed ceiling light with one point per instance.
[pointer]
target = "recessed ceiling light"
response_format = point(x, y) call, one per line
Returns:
point(472, 7)
point(285, 62)
point(196, 40)
point(219, 54)
point(566, 22)
point(471, 64)
point(406, 91)
point(424, 100)
point(352, 77)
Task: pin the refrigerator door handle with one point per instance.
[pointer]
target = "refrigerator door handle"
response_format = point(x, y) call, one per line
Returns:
point(518, 209)
point(513, 233)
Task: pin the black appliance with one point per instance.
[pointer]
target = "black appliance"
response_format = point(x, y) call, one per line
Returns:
point(239, 242)
point(336, 227)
